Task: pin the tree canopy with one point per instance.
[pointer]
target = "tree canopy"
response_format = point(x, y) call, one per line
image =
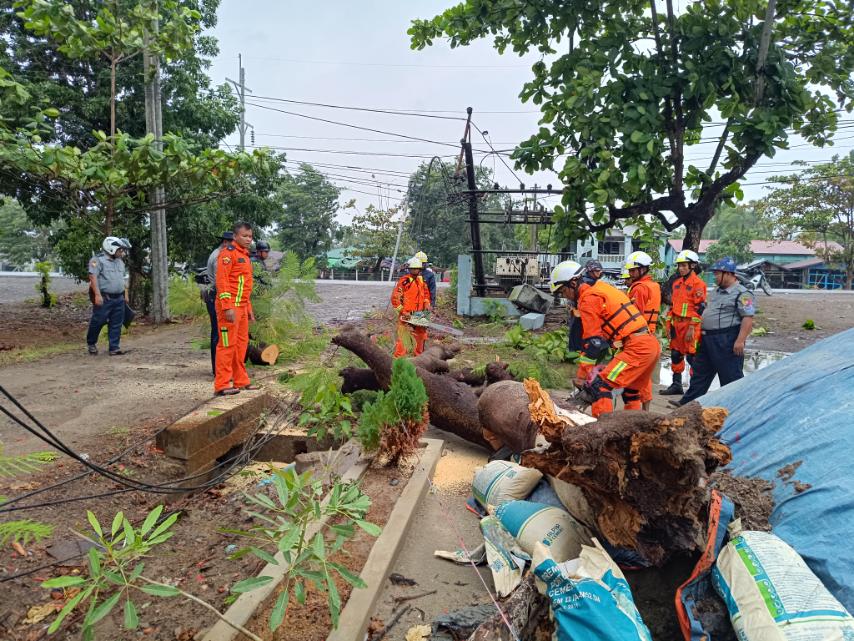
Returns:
point(627, 87)
point(816, 207)
point(735, 244)
point(305, 217)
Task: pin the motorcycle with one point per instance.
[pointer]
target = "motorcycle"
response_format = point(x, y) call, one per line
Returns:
point(753, 278)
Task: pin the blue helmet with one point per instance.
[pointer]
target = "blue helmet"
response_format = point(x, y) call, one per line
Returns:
point(725, 264)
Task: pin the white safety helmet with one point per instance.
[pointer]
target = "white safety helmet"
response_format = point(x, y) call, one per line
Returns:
point(625, 273)
point(421, 256)
point(687, 256)
point(563, 273)
point(415, 262)
point(638, 259)
point(112, 244)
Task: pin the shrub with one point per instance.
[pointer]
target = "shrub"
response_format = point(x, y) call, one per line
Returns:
point(394, 423)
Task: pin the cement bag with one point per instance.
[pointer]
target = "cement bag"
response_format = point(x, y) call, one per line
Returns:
point(506, 560)
point(772, 595)
point(574, 501)
point(589, 597)
point(532, 523)
point(498, 482)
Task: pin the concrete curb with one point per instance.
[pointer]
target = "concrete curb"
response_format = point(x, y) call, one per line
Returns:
point(242, 610)
point(360, 606)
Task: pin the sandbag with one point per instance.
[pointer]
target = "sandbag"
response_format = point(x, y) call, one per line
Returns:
point(772, 595)
point(503, 411)
point(498, 482)
point(532, 523)
point(589, 597)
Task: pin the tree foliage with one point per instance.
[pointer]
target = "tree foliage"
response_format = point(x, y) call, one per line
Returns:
point(375, 234)
point(735, 244)
point(636, 86)
point(438, 213)
point(816, 207)
point(729, 219)
point(21, 242)
point(305, 221)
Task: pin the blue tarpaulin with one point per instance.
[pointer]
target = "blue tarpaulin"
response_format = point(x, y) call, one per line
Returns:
point(801, 409)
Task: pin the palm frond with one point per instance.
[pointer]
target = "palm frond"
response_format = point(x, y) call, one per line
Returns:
point(24, 532)
point(24, 463)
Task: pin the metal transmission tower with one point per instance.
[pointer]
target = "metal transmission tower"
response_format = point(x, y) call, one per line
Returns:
point(241, 89)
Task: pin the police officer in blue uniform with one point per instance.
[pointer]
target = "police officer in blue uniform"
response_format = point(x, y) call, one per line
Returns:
point(108, 294)
point(726, 323)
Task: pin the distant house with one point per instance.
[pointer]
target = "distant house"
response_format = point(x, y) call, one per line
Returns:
point(815, 273)
point(342, 258)
point(778, 252)
point(612, 250)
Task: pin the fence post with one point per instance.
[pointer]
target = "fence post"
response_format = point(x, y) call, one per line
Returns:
point(357, 273)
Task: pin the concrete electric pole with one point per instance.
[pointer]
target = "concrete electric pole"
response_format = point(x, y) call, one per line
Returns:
point(241, 89)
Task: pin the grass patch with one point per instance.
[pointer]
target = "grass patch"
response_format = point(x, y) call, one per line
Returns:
point(31, 354)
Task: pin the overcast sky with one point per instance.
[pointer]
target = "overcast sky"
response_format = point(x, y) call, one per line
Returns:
point(357, 54)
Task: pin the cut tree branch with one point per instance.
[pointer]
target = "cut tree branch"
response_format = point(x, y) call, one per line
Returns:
point(721, 144)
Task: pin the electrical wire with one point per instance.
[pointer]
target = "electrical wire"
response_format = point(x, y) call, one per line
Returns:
point(350, 125)
point(393, 112)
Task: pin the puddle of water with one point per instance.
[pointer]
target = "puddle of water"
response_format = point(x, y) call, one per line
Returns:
point(754, 360)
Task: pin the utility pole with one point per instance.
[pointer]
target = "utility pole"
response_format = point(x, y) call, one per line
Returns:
point(474, 224)
point(157, 195)
point(241, 89)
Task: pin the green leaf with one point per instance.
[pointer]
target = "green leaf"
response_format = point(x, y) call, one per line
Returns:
point(117, 523)
point(51, 112)
point(63, 582)
point(279, 610)
point(150, 520)
point(247, 585)
point(169, 522)
point(102, 610)
point(334, 601)
point(94, 562)
point(54, 626)
point(348, 576)
point(131, 617)
point(281, 489)
point(319, 546)
point(637, 136)
point(93, 521)
point(370, 528)
point(160, 590)
point(137, 571)
point(264, 555)
point(299, 592)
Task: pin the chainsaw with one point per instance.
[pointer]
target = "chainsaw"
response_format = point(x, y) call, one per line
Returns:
point(422, 319)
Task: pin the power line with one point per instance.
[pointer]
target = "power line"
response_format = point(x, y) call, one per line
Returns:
point(350, 125)
point(386, 64)
point(346, 152)
point(393, 112)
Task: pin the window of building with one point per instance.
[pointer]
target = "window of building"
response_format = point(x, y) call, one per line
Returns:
point(611, 246)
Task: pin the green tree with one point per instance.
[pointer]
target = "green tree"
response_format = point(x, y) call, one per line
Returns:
point(21, 242)
point(438, 213)
point(375, 233)
point(636, 85)
point(735, 244)
point(305, 221)
point(817, 208)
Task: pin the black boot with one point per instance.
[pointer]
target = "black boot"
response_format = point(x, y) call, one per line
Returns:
point(675, 387)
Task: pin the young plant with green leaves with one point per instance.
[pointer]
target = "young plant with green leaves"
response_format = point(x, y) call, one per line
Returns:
point(549, 345)
point(285, 528)
point(114, 574)
point(326, 411)
point(43, 286)
point(393, 424)
point(23, 531)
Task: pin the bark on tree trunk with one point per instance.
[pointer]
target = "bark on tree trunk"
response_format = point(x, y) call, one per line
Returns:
point(452, 405)
point(525, 609)
point(693, 233)
point(645, 475)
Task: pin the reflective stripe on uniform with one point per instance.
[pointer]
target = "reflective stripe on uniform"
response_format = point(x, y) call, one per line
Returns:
point(240, 280)
point(586, 361)
point(684, 309)
point(614, 373)
point(224, 332)
point(225, 295)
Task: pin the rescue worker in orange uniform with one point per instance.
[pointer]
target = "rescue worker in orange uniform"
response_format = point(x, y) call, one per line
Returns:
point(609, 319)
point(645, 293)
point(410, 295)
point(688, 300)
point(234, 311)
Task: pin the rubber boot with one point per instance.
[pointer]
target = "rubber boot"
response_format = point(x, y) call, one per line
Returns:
point(675, 387)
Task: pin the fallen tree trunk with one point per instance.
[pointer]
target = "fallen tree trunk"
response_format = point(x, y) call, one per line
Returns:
point(503, 410)
point(645, 475)
point(525, 610)
point(433, 359)
point(452, 405)
point(262, 354)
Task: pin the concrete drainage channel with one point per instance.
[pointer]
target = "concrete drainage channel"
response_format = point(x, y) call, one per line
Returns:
point(197, 440)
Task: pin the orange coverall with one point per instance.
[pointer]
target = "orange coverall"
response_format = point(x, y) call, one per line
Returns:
point(233, 289)
point(609, 317)
point(646, 295)
point(686, 311)
point(410, 295)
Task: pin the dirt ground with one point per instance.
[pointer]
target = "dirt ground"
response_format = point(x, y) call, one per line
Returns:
point(784, 314)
